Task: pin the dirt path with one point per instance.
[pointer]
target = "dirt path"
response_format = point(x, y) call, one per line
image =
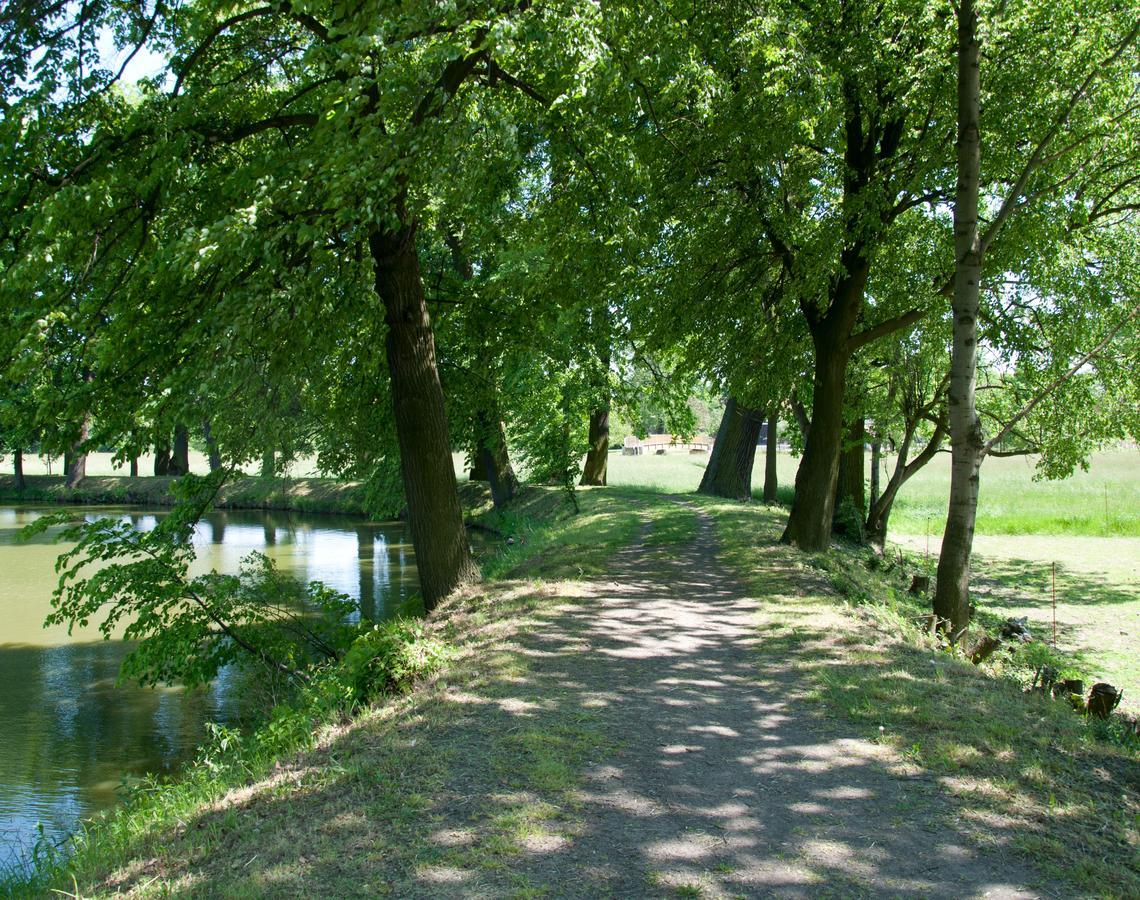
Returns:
point(720, 786)
point(644, 736)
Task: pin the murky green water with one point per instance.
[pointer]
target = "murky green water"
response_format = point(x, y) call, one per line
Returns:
point(69, 737)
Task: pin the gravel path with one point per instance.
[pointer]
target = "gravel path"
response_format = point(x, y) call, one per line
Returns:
point(720, 786)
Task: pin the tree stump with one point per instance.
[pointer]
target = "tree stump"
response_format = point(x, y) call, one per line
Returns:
point(1103, 699)
point(984, 649)
point(920, 584)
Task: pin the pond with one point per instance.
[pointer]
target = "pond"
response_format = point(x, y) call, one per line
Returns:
point(70, 737)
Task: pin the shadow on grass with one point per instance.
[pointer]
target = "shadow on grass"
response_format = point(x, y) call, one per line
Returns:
point(640, 737)
point(1020, 770)
point(1016, 583)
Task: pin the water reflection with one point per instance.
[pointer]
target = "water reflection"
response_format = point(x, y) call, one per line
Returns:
point(70, 736)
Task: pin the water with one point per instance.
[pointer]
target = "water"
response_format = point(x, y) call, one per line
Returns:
point(69, 737)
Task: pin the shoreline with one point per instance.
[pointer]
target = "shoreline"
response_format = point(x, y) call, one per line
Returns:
point(308, 495)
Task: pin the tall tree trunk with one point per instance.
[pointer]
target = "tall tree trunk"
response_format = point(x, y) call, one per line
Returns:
point(443, 557)
point(75, 460)
point(268, 464)
point(480, 467)
point(803, 420)
point(497, 462)
point(598, 456)
point(161, 460)
point(134, 467)
point(876, 462)
point(211, 447)
point(729, 472)
point(771, 484)
point(850, 482)
point(952, 594)
point(180, 453)
point(18, 469)
point(809, 522)
point(490, 460)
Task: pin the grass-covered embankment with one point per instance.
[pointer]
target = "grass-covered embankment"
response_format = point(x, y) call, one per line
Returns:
point(1066, 790)
point(332, 794)
point(471, 783)
point(315, 495)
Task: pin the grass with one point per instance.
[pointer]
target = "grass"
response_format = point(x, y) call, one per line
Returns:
point(1104, 501)
point(311, 495)
point(362, 796)
point(1013, 764)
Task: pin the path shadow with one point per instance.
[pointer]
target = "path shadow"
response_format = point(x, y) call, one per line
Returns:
point(651, 743)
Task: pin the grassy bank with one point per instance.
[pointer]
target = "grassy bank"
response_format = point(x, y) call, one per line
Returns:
point(352, 799)
point(352, 786)
point(315, 495)
point(1067, 789)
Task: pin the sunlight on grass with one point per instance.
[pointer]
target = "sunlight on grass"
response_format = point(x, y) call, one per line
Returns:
point(1008, 759)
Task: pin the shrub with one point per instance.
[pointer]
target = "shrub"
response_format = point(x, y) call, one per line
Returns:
point(390, 657)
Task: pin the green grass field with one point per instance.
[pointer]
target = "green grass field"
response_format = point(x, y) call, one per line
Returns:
point(1104, 501)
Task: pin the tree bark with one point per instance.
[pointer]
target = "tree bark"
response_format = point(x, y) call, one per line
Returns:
point(18, 469)
point(268, 464)
point(75, 460)
point(180, 453)
point(879, 513)
point(480, 469)
point(851, 477)
point(809, 522)
point(729, 472)
point(443, 557)
point(771, 483)
point(799, 414)
point(211, 447)
point(597, 458)
point(876, 463)
point(952, 593)
point(161, 460)
point(492, 461)
point(134, 467)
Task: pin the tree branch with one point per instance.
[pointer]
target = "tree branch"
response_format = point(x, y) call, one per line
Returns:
point(884, 328)
point(1058, 381)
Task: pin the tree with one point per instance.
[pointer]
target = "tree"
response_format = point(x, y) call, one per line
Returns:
point(321, 142)
point(1081, 161)
point(729, 472)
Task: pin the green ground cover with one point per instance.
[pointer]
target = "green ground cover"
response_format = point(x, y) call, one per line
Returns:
point(1068, 788)
point(1025, 760)
point(377, 761)
point(1104, 501)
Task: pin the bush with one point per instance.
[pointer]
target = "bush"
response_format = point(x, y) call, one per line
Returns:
point(390, 657)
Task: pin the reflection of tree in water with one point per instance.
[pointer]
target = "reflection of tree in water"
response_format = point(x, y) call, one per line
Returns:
point(366, 556)
point(71, 735)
